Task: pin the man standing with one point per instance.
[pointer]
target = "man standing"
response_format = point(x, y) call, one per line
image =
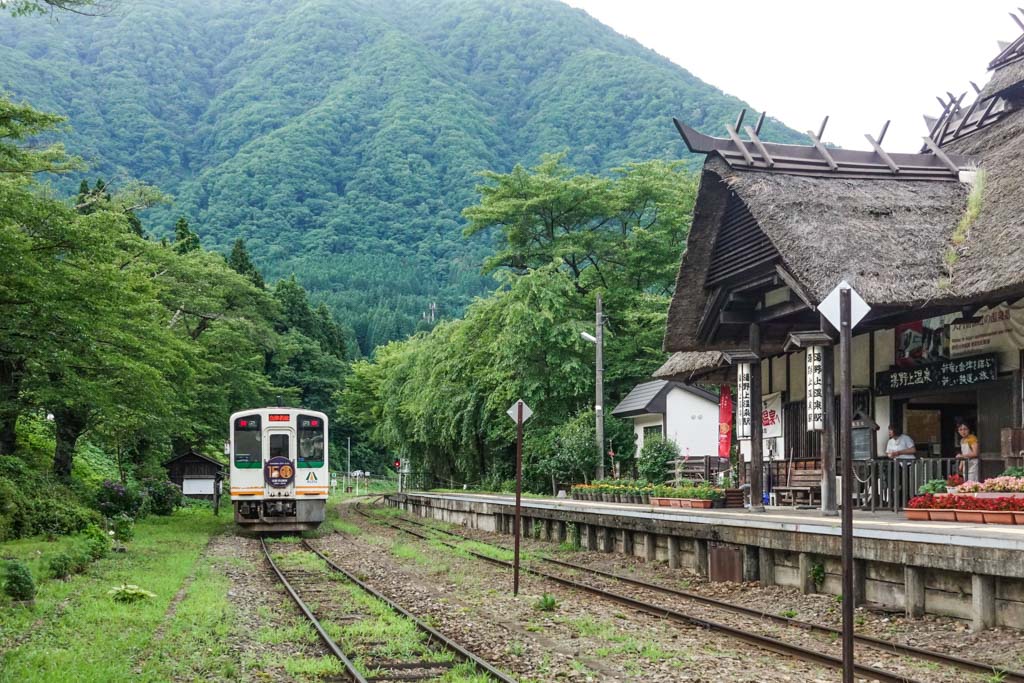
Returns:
point(900, 446)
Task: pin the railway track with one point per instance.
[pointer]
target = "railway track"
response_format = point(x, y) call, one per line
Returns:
point(650, 591)
point(323, 591)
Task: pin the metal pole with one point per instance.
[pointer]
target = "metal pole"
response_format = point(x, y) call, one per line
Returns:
point(519, 494)
point(348, 472)
point(846, 454)
point(599, 389)
point(756, 424)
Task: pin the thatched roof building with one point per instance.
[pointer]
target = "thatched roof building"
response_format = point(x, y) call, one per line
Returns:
point(776, 227)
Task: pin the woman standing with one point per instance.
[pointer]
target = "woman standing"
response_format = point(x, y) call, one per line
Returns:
point(970, 464)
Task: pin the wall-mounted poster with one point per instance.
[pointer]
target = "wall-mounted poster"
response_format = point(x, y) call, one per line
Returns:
point(921, 342)
point(1000, 331)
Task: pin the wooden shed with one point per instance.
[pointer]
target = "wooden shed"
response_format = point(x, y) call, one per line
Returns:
point(195, 473)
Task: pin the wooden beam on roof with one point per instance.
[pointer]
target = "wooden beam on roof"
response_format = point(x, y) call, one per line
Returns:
point(760, 122)
point(1017, 20)
point(937, 151)
point(963, 121)
point(764, 315)
point(822, 149)
point(795, 286)
point(735, 137)
point(881, 152)
point(762, 150)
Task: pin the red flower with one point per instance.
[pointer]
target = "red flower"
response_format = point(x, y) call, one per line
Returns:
point(954, 480)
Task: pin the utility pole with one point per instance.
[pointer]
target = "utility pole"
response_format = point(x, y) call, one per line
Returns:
point(846, 454)
point(348, 472)
point(599, 389)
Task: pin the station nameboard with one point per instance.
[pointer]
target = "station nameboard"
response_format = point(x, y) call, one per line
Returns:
point(946, 374)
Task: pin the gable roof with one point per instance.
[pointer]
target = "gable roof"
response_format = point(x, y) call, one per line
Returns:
point(194, 454)
point(649, 397)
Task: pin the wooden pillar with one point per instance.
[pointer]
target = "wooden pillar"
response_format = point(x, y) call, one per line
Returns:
point(913, 592)
point(673, 552)
point(983, 601)
point(828, 436)
point(766, 558)
point(756, 426)
point(650, 546)
point(700, 556)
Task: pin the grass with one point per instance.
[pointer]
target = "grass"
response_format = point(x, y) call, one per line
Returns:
point(75, 627)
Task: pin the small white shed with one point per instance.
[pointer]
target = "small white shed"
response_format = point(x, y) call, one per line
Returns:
point(685, 414)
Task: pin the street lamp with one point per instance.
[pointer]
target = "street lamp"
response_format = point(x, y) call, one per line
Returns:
point(598, 342)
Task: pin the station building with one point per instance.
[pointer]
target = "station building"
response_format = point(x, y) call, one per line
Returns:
point(933, 241)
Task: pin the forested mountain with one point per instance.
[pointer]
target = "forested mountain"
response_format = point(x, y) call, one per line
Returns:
point(343, 138)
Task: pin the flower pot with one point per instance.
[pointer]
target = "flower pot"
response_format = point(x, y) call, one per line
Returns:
point(998, 494)
point(1018, 517)
point(685, 502)
point(700, 503)
point(942, 515)
point(675, 502)
point(973, 516)
point(921, 515)
point(645, 498)
point(998, 517)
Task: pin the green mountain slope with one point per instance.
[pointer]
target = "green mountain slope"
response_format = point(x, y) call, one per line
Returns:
point(342, 138)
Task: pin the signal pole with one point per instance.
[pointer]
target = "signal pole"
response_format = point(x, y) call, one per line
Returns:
point(599, 388)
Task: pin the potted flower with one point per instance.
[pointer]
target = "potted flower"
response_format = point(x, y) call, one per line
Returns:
point(918, 507)
point(943, 509)
point(1000, 510)
point(953, 482)
point(970, 510)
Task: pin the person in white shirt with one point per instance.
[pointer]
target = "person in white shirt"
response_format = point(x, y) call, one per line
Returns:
point(900, 446)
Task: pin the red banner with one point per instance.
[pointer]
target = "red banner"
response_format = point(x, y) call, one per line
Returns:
point(725, 422)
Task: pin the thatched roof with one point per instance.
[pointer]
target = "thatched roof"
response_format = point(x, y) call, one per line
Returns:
point(993, 254)
point(886, 236)
point(691, 366)
point(1005, 79)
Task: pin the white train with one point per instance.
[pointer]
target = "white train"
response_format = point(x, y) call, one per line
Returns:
point(279, 475)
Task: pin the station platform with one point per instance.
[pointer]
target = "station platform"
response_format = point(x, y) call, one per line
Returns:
point(969, 571)
point(883, 525)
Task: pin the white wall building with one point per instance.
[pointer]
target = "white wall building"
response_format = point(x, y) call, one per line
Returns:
point(680, 412)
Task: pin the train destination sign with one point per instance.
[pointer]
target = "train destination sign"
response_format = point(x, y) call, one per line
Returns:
point(946, 374)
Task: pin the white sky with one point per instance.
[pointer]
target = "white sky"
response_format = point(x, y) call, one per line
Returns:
point(858, 62)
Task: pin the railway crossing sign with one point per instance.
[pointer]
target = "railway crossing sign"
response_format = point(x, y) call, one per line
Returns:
point(830, 306)
point(513, 411)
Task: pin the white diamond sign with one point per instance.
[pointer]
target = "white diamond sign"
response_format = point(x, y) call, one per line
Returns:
point(830, 306)
point(513, 411)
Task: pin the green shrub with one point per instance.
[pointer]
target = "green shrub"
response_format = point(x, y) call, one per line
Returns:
point(1013, 472)
point(546, 603)
point(18, 583)
point(113, 498)
point(129, 593)
point(654, 457)
point(63, 565)
point(40, 506)
point(163, 496)
point(933, 486)
point(97, 542)
point(124, 527)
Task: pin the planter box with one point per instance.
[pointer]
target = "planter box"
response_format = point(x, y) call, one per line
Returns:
point(920, 515)
point(675, 503)
point(733, 498)
point(699, 503)
point(942, 515)
point(1018, 517)
point(997, 494)
point(973, 516)
point(998, 517)
point(645, 499)
point(684, 502)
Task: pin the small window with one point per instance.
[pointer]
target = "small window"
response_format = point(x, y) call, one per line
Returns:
point(278, 445)
point(248, 442)
point(311, 441)
point(653, 430)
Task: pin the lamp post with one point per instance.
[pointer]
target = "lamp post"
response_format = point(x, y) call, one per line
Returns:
point(598, 342)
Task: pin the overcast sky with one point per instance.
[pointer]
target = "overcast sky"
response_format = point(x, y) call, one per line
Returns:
point(860, 63)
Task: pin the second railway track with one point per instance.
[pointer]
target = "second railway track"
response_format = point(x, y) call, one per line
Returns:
point(335, 602)
point(891, 651)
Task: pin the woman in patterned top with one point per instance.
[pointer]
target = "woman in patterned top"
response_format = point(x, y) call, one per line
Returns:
point(970, 464)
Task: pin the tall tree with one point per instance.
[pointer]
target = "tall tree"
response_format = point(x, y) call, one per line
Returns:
point(241, 263)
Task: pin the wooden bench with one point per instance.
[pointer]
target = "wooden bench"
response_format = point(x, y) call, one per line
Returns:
point(696, 468)
point(803, 484)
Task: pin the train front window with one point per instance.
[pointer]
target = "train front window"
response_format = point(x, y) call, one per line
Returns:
point(248, 442)
point(278, 445)
point(311, 441)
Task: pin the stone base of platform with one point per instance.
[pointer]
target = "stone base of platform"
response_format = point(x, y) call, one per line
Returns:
point(897, 566)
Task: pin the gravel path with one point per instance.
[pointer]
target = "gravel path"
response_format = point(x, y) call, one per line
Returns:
point(585, 639)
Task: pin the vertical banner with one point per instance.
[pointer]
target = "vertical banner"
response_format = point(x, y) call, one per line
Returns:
point(743, 411)
point(725, 422)
point(815, 390)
